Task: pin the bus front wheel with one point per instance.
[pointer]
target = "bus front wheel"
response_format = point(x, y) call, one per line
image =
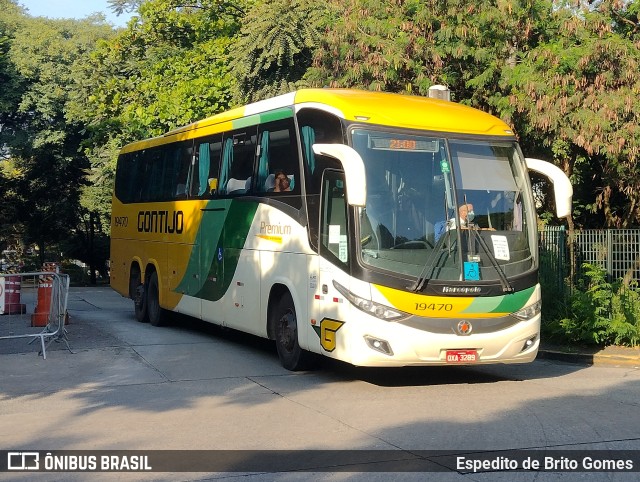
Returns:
point(291, 355)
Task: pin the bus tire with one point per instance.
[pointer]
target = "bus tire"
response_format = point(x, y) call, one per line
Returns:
point(292, 357)
point(157, 315)
point(139, 295)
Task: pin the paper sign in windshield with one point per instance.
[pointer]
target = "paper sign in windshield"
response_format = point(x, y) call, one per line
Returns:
point(500, 247)
point(334, 233)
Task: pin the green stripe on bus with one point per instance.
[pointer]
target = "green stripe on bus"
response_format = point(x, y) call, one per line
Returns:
point(222, 267)
point(252, 120)
point(514, 301)
point(212, 223)
point(484, 304)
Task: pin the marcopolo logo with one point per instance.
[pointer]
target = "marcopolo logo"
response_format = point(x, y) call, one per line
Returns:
point(23, 461)
point(462, 290)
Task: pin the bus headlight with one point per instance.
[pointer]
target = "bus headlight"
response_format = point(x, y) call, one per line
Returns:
point(371, 307)
point(529, 312)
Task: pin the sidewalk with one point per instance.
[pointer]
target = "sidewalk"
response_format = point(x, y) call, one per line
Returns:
point(611, 355)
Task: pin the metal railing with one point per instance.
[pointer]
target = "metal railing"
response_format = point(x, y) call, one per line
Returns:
point(47, 292)
point(617, 251)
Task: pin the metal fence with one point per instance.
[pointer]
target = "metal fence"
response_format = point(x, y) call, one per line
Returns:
point(33, 306)
point(617, 251)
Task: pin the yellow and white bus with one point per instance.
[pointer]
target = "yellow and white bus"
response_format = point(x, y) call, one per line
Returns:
point(378, 229)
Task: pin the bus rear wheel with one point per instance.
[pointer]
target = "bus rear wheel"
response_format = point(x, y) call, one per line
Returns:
point(292, 357)
point(157, 314)
point(138, 293)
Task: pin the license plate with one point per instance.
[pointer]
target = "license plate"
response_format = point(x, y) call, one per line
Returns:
point(462, 356)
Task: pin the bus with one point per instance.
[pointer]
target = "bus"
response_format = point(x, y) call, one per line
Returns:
point(374, 228)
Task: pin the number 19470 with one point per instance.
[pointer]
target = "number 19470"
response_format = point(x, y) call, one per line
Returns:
point(434, 307)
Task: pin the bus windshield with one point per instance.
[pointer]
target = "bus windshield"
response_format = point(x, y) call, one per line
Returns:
point(447, 209)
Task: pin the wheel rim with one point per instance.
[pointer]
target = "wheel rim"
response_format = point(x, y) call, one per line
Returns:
point(288, 331)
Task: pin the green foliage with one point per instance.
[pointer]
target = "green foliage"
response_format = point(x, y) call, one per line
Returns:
point(47, 170)
point(409, 46)
point(168, 68)
point(600, 312)
point(378, 46)
point(578, 90)
point(590, 308)
point(275, 47)
point(89, 244)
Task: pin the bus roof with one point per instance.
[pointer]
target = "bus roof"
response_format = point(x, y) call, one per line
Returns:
point(378, 108)
point(408, 111)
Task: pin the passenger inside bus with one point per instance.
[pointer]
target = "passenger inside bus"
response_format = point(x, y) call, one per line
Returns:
point(282, 182)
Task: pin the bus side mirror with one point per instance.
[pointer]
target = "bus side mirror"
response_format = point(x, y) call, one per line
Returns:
point(353, 167)
point(562, 188)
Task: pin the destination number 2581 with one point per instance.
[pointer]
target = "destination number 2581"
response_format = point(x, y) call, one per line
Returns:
point(434, 306)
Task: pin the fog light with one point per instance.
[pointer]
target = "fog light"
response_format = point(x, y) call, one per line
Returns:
point(378, 345)
point(529, 343)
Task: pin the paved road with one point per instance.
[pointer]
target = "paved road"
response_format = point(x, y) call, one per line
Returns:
point(133, 386)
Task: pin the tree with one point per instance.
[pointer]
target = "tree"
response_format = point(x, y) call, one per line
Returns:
point(563, 74)
point(121, 6)
point(410, 45)
point(168, 68)
point(47, 168)
point(577, 98)
point(275, 47)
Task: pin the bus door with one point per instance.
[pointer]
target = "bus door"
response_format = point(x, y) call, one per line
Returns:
point(241, 268)
point(211, 274)
point(242, 302)
point(184, 276)
point(241, 265)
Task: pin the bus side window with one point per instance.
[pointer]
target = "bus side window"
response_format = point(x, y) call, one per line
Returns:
point(130, 172)
point(239, 152)
point(278, 153)
point(181, 179)
point(152, 182)
point(207, 166)
point(174, 162)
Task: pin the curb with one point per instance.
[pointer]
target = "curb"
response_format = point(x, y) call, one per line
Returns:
point(590, 358)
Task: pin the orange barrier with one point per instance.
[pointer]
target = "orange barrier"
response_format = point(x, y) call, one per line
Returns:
point(41, 314)
point(12, 305)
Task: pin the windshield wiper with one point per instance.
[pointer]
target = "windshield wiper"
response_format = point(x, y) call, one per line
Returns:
point(504, 282)
point(433, 262)
point(438, 252)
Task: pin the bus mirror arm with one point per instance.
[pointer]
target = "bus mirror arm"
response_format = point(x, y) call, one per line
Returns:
point(562, 188)
point(353, 167)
